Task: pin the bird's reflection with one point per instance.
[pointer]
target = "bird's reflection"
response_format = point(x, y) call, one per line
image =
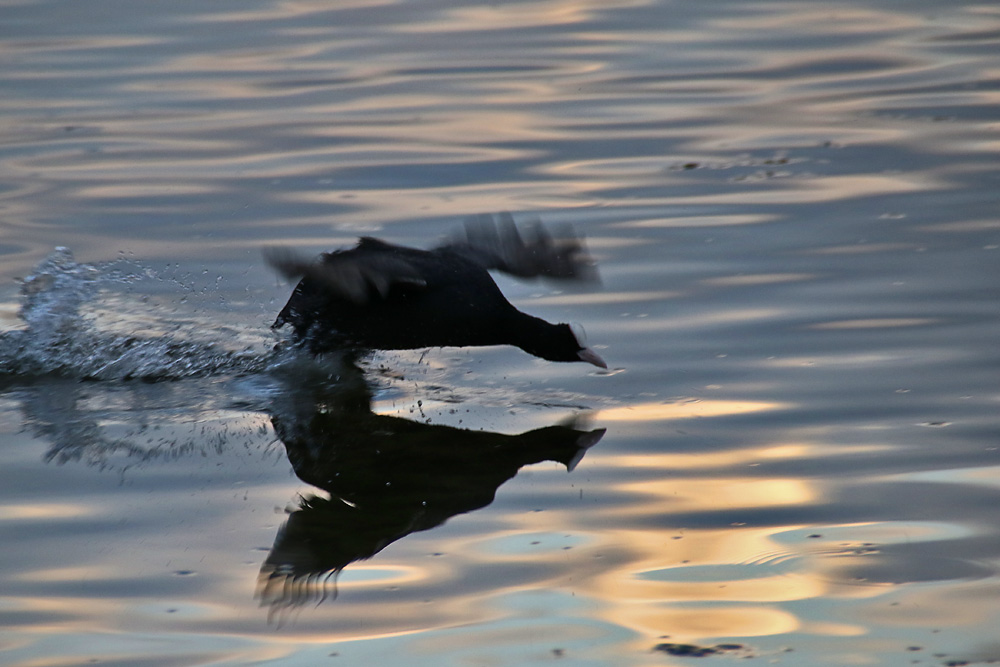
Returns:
point(387, 477)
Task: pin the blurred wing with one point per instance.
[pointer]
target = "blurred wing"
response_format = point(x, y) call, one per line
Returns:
point(495, 242)
point(347, 275)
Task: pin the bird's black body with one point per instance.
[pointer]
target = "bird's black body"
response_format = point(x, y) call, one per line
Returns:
point(388, 297)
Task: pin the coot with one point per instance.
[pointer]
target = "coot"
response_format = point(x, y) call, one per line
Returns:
point(389, 297)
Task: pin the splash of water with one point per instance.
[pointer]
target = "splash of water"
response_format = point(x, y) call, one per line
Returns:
point(60, 337)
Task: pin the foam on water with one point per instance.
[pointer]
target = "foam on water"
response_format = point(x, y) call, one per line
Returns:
point(64, 333)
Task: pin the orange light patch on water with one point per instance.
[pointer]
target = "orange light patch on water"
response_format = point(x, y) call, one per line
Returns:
point(963, 226)
point(176, 188)
point(700, 221)
point(827, 189)
point(698, 321)
point(843, 360)
point(42, 512)
point(730, 493)
point(667, 570)
point(966, 604)
point(371, 576)
point(643, 412)
point(68, 574)
point(759, 279)
point(875, 323)
point(475, 18)
point(729, 621)
point(779, 588)
point(707, 460)
point(861, 249)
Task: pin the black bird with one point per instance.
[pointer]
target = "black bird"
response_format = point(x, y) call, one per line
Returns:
point(388, 297)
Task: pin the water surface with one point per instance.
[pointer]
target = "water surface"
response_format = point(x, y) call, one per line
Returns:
point(794, 457)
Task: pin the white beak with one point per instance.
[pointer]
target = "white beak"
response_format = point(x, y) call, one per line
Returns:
point(588, 355)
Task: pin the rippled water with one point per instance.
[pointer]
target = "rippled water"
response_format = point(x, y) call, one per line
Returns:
point(794, 458)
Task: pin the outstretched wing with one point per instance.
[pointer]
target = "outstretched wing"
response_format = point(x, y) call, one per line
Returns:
point(495, 242)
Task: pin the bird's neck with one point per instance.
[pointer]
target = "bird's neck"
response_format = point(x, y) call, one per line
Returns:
point(532, 333)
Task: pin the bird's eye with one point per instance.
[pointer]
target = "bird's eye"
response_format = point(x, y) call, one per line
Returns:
point(579, 333)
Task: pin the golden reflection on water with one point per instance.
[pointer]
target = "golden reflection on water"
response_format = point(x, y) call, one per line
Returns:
point(698, 320)
point(734, 620)
point(805, 21)
point(876, 323)
point(696, 583)
point(860, 248)
point(759, 279)
point(642, 412)
point(69, 574)
point(700, 221)
point(832, 188)
point(38, 512)
point(175, 189)
point(727, 494)
point(493, 17)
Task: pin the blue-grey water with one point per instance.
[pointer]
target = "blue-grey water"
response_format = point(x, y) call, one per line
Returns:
point(794, 458)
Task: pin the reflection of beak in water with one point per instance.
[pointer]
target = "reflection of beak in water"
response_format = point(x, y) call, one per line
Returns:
point(387, 477)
